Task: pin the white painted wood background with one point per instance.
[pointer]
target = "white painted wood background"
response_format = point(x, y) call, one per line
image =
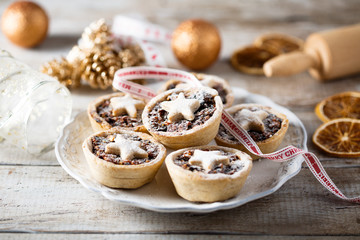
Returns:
point(39, 200)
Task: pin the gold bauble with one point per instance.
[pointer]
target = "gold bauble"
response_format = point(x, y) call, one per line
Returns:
point(196, 43)
point(25, 23)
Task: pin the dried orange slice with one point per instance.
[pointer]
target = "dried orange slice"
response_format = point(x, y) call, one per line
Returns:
point(251, 59)
point(279, 43)
point(342, 105)
point(339, 137)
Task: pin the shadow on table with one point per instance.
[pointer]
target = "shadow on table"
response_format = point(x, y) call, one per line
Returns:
point(59, 42)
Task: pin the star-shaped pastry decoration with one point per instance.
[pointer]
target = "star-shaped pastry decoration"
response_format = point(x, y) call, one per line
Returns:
point(252, 120)
point(127, 149)
point(181, 108)
point(126, 104)
point(208, 159)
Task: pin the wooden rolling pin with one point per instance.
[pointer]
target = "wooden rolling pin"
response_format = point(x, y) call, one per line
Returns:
point(327, 55)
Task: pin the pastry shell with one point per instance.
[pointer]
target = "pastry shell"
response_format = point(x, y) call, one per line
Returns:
point(229, 96)
point(198, 186)
point(266, 146)
point(122, 176)
point(100, 124)
point(198, 135)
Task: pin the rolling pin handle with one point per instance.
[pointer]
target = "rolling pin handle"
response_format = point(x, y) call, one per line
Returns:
point(289, 64)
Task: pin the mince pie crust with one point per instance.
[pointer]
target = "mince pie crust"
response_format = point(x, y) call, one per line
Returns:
point(119, 110)
point(123, 159)
point(265, 125)
point(208, 173)
point(184, 117)
point(220, 85)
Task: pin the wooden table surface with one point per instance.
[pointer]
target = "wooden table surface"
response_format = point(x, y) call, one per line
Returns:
point(39, 200)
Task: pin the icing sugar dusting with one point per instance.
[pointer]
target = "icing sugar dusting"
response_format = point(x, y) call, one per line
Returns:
point(126, 104)
point(252, 120)
point(181, 108)
point(208, 159)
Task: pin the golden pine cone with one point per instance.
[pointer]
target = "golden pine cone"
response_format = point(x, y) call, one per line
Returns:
point(63, 71)
point(97, 35)
point(98, 68)
point(131, 55)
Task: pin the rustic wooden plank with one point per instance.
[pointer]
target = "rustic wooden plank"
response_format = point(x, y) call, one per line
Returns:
point(46, 199)
point(36, 195)
point(26, 236)
point(12, 155)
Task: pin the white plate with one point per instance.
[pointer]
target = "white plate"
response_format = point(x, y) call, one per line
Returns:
point(160, 195)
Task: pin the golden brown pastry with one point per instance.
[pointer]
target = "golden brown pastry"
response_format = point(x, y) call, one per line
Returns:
point(208, 173)
point(184, 117)
point(123, 159)
point(220, 85)
point(265, 125)
point(119, 110)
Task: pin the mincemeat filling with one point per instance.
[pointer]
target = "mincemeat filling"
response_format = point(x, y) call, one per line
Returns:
point(105, 111)
point(183, 161)
point(99, 144)
point(272, 124)
point(158, 116)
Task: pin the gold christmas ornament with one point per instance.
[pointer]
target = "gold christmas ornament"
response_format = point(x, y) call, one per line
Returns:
point(63, 71)
point(196, 43)
point(25, 23)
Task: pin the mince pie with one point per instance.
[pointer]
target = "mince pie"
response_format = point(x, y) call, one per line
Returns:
point(208, 173)
point(123, 159)
point(119, 110)
point(217, 83)
point(184, 117)
point(266, 127)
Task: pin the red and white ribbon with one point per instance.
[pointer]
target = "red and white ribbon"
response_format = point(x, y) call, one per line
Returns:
point(128, 30)
point(153, 56)
point(123, 75)
point(127, 26)
point(284, 154)
point(120, 82)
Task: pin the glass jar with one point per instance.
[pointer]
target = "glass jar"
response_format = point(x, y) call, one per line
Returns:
point(34, 107)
